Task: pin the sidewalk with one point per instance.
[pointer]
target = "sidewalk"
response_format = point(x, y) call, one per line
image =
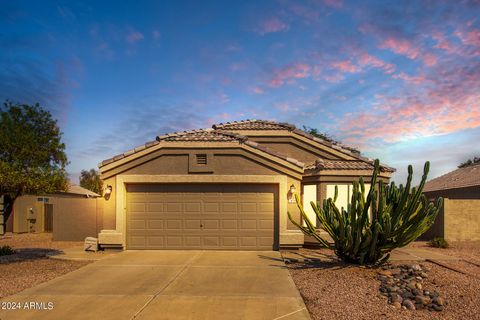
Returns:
point(77, 253)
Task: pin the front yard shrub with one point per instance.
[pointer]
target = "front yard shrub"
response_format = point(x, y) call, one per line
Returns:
point(6, 250)
point(438, 242)
point(373, 224)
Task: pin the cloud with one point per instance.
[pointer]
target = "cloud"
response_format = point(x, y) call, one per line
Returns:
point(272, 25)
point(401, 46)
point(410, 79)
point(346, 66)
point(369, 60)
point(156, 34)
point(258, 90)
point(134, 36)
point(333, 3)
point(289, 74)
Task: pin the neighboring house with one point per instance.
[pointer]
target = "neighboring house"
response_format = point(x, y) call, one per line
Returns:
point(459, 219)
point(228, 187)
point(35, 213)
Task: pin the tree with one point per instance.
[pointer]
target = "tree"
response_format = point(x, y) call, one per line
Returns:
point(90, 179)
point(469, 162)
point(32, 155)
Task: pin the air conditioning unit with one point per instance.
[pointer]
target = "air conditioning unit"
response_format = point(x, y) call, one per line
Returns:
point(90, 244)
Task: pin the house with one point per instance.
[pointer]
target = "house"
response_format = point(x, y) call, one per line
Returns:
point(227, 187)
point(459, 218)
point(35, 213)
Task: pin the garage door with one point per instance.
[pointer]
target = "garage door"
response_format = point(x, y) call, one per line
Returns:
point(201, 216)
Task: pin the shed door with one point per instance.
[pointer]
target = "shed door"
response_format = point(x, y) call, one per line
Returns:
point(202, 216)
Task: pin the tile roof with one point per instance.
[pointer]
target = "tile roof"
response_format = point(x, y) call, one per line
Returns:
point(208, 135)
point(254, 124)
point(76, 189)
point(460, 178)
point(203, 135)
point(323, 164)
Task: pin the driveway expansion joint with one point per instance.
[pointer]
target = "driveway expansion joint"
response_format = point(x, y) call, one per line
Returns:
point(181, 271)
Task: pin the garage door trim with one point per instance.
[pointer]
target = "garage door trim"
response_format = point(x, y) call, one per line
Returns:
point(123, 180)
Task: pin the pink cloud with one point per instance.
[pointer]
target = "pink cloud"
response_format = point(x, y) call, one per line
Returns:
point(411, 79)
point(272, 25)
point(258, 90)
point(346, 66)
point(471, 38)
point(368, 60)
point(443, 43)
point(289, 74)
point(430, 59)
point(401, 47)
point(134, 36)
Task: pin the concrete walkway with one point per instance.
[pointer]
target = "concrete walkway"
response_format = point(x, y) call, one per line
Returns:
point(79, 254)
point(169, 285)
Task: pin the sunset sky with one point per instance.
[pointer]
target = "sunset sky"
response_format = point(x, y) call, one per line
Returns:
point(400, 80)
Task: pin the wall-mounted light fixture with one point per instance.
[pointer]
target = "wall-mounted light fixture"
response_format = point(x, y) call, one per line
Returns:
point(107, 192)
point(291, 194)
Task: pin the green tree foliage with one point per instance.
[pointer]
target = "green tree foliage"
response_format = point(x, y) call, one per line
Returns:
point(32, 155)
point(90, 179)
point(469, 162)
point(373, 224)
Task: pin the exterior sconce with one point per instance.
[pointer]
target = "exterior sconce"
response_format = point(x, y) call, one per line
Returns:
point(291, 194)
point(107, 192)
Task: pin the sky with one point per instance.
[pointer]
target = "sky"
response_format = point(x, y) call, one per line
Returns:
point(399, 80)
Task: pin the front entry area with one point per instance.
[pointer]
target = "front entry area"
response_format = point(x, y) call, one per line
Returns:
point(202, 216)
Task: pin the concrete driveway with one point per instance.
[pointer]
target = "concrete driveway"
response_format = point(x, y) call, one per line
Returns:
point(168, 285)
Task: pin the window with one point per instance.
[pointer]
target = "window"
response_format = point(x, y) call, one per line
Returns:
point(310, 194)
point(201, 159)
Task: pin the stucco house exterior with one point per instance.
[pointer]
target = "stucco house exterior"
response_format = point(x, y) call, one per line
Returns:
point(459, 218)
point(227, 187)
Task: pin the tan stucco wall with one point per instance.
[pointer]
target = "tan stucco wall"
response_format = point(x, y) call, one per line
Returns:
point(461, 220)
point(109, 205)
point(74, 219)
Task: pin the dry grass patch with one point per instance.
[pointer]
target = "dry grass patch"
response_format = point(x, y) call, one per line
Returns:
point(29, 266)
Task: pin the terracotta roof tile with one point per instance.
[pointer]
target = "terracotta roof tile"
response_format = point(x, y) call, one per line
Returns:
point(207, 135)
point(460, 178)
point(254, 124)
point(323, 164)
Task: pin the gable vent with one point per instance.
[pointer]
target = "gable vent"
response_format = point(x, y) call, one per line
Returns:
point(202, 159)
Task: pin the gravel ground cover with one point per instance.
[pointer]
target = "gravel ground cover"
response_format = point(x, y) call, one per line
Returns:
point(468, 250)
point(29, 266)
point(334, 290)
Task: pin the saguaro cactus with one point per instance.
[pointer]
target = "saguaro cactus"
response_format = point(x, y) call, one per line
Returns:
point(372, 225)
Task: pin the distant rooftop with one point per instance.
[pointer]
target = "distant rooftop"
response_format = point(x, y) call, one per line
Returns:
point(76, 189)
point(460, 178)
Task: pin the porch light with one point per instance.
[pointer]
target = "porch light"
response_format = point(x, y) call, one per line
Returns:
point(107, 192)
point(291, 193)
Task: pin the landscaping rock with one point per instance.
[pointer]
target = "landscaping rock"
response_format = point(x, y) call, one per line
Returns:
point(408, 304)
point(404, 287)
